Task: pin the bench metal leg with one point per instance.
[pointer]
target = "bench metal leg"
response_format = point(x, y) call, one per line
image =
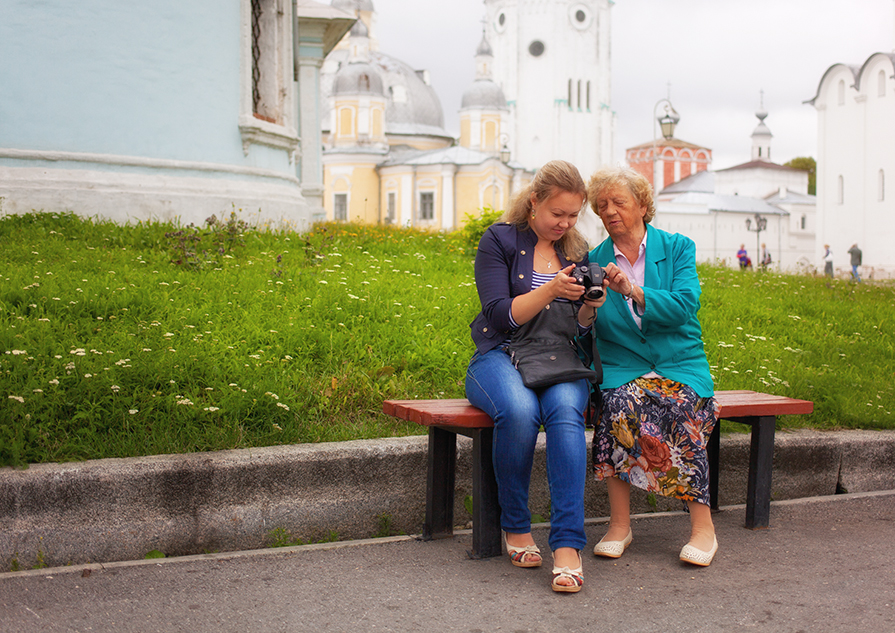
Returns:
point(440, 478)
point(486, 538)
point(714, 457)
point(761, 461)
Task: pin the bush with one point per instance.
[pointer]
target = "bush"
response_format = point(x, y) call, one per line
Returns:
point(475, 227)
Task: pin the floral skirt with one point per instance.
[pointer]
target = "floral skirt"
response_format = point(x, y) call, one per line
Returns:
point(653, 433)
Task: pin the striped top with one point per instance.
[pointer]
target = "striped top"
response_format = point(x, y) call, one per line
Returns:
point(538, 280)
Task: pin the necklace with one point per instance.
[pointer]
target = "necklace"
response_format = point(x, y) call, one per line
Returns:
point(549, 262)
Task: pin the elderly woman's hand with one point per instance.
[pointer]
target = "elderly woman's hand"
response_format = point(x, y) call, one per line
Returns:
point(618, 281)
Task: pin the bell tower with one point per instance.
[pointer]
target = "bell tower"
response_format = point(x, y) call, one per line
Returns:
point(551, 59)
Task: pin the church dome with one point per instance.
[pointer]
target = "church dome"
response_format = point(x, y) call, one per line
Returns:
point(483, 93)
point(357, 78)
point(484, 47)
point(360, 29)
point(351, 6)
point(413, 105)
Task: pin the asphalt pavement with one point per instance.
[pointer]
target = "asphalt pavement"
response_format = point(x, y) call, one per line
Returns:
point(825, 564)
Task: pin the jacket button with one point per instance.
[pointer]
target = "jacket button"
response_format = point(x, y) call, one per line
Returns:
point(484, 329)
point(643, 340)
point(521, 276)
point(548, 306)
point(522, 252)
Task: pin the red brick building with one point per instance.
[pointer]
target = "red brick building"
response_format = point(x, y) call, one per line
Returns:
point(675, 160)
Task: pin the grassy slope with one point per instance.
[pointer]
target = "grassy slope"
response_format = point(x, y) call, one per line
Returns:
point(109, 349)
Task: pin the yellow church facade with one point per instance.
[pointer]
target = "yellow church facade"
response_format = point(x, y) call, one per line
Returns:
point(387, 158)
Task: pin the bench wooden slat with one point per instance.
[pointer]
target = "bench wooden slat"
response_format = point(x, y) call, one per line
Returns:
point(458, 412)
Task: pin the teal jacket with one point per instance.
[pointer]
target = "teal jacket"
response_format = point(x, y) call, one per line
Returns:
point(669, 341)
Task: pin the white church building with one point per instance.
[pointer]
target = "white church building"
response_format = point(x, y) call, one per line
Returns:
point(855, 156)
point(752, 204)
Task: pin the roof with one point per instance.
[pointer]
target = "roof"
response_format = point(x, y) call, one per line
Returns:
point(792, 197)
point(339, 22)
point(668, 142)
point(455, 155)
point(760, 164)
point(701, 181)
point(857, 73)
point(353, 5)
point(715, 202)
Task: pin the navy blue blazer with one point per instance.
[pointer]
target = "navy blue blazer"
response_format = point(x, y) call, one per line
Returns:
point(503, 267)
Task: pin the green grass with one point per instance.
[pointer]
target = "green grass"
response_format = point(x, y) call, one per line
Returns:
point(110, 349)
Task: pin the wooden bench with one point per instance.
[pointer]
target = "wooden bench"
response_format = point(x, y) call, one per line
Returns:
point(447, 418)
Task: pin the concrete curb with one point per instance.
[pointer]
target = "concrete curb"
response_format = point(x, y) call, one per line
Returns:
point(120, 509)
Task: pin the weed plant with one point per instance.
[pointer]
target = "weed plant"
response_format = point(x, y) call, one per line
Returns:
point(121, 341)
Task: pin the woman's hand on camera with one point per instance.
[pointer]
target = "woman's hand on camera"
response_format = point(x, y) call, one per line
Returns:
point(564, 286)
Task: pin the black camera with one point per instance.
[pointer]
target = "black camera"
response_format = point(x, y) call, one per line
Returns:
point(591, 277)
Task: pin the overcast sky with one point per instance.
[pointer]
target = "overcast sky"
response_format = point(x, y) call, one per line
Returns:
point(716, 54)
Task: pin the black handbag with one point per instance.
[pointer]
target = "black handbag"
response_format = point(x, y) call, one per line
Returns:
point(544, 350)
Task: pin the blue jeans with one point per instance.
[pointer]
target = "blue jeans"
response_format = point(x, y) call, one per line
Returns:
point(495, 386)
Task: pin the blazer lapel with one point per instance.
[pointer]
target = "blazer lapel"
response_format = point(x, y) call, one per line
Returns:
point(655, 258)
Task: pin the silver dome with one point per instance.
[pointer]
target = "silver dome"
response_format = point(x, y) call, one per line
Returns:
point(484, 47)
point(357, 78)
point(360, 29)
point(412, 102)
point(483, 93)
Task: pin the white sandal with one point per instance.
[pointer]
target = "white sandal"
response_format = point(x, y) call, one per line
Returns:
point(575, 575)
point(520, 556)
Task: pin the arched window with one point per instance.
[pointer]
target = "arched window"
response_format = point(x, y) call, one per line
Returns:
point(804, 221)
point(881, 80)
point(840, 193)
point(841, 92)
point(882, 185)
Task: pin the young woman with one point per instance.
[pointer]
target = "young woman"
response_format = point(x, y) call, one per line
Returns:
point(522, 266)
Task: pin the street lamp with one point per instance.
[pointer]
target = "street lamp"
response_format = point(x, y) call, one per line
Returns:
point(504, 154)
point(760, 225)
point(666, 122)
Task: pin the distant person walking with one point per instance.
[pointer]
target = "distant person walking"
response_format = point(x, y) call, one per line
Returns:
point(856, 256)
point(743, 256)
point(828, 261)
point(765, 256)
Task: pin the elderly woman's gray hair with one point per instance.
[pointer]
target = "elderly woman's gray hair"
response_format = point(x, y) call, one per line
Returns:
point(607, 177)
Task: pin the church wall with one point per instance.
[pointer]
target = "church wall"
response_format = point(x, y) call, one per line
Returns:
point(143, 111)
point(418, 141)
point(718, 236)
point(855, 128)
point(356, 177)
point(759, 182)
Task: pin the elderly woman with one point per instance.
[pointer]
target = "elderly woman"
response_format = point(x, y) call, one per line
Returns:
point(658, 407)
point(522, 269)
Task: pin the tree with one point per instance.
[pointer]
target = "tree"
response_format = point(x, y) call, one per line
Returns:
point(808, 164)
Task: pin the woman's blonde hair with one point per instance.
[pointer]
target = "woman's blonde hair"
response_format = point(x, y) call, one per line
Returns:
point(608, 177)
point(554, 177)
